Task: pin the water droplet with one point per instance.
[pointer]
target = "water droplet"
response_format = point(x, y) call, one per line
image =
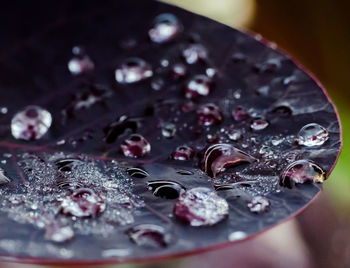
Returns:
point(165, 188)
point(83, 202)
point(168, 130)
point(133, 70)
point(212, 138)
point(211, 72)
point(137, 172)
point(269, 66)
point(209, 114)
point(259, 204)
point(275, 141)
point(150, 236)
point(194, 52)
point(135, 146)
point(240, 114)
point(263, 91)
point(31, 123)
point(183, 153)
point(234, 134)
point(80, 63)
point(3, 110)
point(58, 233)
point(237, 235)
point(220, 156)
point(184, 172)
point(301, 171)
point(166, 27)
point(179, 70)
point(157, 83)
point(3, 178)
point(265, 151)
point(199, 85)
point(201, 207)
point(312, 135)
point(164, 62)
point(259, 124)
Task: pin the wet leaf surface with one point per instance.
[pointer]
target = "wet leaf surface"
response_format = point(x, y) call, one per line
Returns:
point(106, 72)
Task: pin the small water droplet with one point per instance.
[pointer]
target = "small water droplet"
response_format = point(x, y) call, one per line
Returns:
point(183, 153)
point(179, 70)
point(237, 235)
point(211, 72)
point(165, 188)
point(259, 124)
point(58, 233)
point(212, 138)
point(135, 146)
point(164, 63)
point(3, 110)
point(168, 130)
point(209, 114)
point(133, 70)
point(199, 85)
point(220, 156)
point(157, 83)
point(194, 52)
point(275, 141)
point(312, 135)
point(201, 207)
point(240, 114)
point(3, 178)
point(83, 202)
point(80, 63)
point(150, 236)
point(32, 123)
point(165, 28)
point(301, 171)
point(234, 134)
point(184, 172)
point(259, 204)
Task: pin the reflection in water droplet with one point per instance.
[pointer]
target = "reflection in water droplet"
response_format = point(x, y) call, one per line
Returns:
point(58, 233)
point(166, 27)
point(301, 171)
point(194, 52)
point(183, 153)
point(209, 114)
point(165, 188)
point(259, 204)
point(312, 135)
point(220, 156)
point(168, 130)
point(135, 146)
point(3, 178)
point(83, 202)
point(150, 236)
point(133, 70)
point(31, 123)
point(259, 124)
point(199, 85)
point(201, 207)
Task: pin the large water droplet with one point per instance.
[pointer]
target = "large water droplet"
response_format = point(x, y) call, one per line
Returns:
point(150, 236)
point(301, 171)
point(165, 188)
point(31, 123)
point(220, 156)
point(312, 135)
point(133, 70)
point(259, 204)
point(194, 52)
point(183, 153)
point(166, 27)
point(83, 202)
point(3, 178)
point(168, 130)
point(209, 114)
point(199, 85)
point(135, 146)
point(201, 207)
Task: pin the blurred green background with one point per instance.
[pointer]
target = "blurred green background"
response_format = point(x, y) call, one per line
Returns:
point(317, 33)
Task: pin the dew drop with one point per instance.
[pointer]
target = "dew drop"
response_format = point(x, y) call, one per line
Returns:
point(168, 130)
point(220, 156)
point(199, 85)
point(3, 110)
point(183, 153)
point(135, 146)
point(194, 53)
point(133, 70)
point(166, 27)
point(312, 135)
point(165, 188)
point(201, 207)
point(31, 123)
point(301, 171)
point(150, 236)
point(83, 202)
point(209, 114)
point(259, 124)
point(259, 204)
point(58, 233)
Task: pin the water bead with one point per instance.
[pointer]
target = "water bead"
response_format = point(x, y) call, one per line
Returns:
point(133, 70)
point(199, 85)
point(201, 207)
point(194, 52)
point(166, 27)
point(259, 204)
point(259, 124)
point(135, 146)
point(209, 114)
point(312, 135)
point(32, 123)
point(183, 153)
point(150, 236)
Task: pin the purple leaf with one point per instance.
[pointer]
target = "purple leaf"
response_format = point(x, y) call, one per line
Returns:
point(127, 126)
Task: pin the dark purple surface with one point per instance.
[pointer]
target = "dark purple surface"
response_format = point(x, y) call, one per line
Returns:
point(35, 46)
